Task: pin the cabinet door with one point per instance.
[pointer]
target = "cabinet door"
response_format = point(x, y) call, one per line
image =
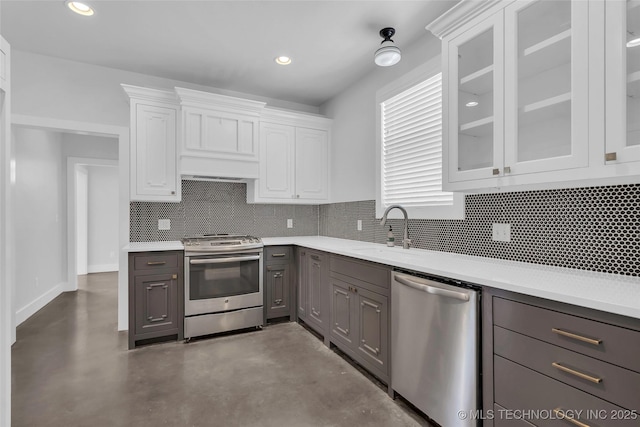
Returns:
point(218, 134)
point(154, 174)
point(156, 303)
point(343, 313)
point(278, 291)
point(373, 312)
point(276, 161)
point(474, 92)
point(546, 86)
point(311, 158)
point(316, 287)
point(622, 81)
point(303, 284)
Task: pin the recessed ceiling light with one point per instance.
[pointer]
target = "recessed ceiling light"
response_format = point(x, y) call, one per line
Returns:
point(283, 60)
point(80, 8)
point(633, 43)
point(471, 104)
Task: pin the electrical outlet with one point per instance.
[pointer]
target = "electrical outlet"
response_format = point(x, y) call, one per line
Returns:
point(164, 224)
point(289, 223)
point(502, 232)
point(359, 225)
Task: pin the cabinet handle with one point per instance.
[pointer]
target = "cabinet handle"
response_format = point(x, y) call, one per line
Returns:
point(576, 373)
point(315, 313)
point(278, 302)
point(173, 193)
point(277, 275)
point(316, 257)
point(156, 262)
point(278, 255)
point(496, 171)
point(175, 276)
point(560, 414)
point(610, 157)
point(576, 337)
point(507, 169)
point(297, 196)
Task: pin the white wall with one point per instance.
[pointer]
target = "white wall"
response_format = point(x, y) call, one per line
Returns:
point(353, 138)
point(39, 220)
point(82, 219)
point(103, 219)
point(45, 86)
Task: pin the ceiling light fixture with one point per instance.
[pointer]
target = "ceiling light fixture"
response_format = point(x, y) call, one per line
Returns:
point(471, 104)
point(634, 42)
point(388, 54)
point(283, 60)
point(80, 8)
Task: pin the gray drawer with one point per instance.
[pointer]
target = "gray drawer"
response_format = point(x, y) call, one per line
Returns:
point(364, 271)
point(617, 385)
point(503, 417)
point(152, 261)
point(277, 253)
point(609, 343)
point(517, 387)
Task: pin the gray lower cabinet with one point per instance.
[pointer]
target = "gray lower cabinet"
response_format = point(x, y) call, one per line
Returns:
point(360, 312)
point(573, 362)
point(277, 278)
point(156, 296)
point(313, 289)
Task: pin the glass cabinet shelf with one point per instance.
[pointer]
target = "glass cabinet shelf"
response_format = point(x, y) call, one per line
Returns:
point(550, 53)
point(546, 110)
point(478, 128)
point(479, 82)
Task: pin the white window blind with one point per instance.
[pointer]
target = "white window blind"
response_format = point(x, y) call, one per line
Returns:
point(412, 147)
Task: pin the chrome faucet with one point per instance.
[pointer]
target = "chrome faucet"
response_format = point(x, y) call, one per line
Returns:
point(406, 242)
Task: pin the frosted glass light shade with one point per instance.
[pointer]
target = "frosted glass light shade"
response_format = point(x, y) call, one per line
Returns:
point(389, 54)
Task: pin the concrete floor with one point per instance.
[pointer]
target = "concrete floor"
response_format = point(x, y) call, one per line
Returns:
point(72, 368)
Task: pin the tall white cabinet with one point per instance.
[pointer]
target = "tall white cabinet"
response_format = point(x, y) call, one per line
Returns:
point(294, 159)
point(153, 162)
point(540, 94)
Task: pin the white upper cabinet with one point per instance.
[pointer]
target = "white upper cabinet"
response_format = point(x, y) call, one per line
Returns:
point(546, 86)
point(540, 93)
point(311, 159)
point(623, 82)
point(474, 102)
point(294, 159)
point(153, 163)
point(219, 135)
point(517, 94)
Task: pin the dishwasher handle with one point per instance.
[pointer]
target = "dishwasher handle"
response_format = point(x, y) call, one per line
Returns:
point(430, 289)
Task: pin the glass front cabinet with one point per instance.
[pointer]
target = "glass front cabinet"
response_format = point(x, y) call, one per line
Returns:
point(540, 92)
point(622, 81)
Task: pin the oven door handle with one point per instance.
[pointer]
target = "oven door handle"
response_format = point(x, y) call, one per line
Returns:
point(224, 260)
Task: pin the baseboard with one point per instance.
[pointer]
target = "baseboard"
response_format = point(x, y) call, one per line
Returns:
point(102, 268)
point(30, 309)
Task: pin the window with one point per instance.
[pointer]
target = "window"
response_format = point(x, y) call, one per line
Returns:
point(410, 149)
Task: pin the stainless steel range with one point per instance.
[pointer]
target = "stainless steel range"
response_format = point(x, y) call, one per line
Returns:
point(223, 283)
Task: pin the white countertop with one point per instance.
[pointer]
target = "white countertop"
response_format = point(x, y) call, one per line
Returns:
point(606, 292)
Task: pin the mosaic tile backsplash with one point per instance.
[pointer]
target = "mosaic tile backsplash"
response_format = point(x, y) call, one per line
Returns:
point(593, 228)
point(218, 207)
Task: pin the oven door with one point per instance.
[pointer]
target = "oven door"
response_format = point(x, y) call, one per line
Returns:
point(216, 283)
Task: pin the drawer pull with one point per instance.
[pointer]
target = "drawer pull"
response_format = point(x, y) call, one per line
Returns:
point(560, 414)
point(278, 255)
point(576, 337)
point(576, 373)
point(156, 262)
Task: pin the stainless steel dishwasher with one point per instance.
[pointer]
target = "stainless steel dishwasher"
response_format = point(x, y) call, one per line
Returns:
point(435, 356)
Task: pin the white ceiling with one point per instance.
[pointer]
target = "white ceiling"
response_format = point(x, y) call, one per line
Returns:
point(224, 44)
